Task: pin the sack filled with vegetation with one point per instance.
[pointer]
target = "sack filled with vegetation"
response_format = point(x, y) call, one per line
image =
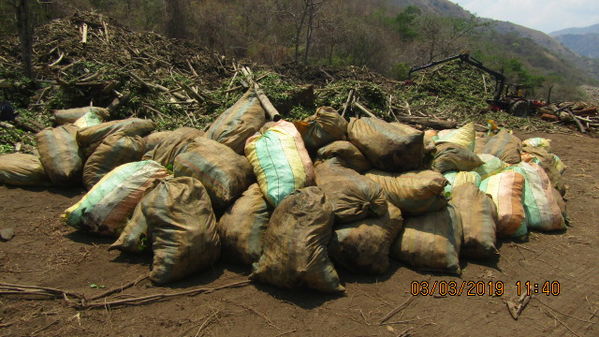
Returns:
point(454, 157)
point(153, 139)
point(347, 154)
point(464, 136)
point(94, 116)
point(294, 251)
point(542, 210)
point(455, 179)
point(60, 155)
point(182, 227)
point(431, 241)
point(104, 210)
point(280, 161)
point(134, 237)
point(429, 140)
point(507, 189)
point(224, 173)
point(390, 147)
point(322, 128)
point(69, 116)
point(479, 221)
point(352, 195)
point(504, 146)
point(21, 169)
point(363, 246)
point(241, 121)
point(543, 143)
point(91, 137)
point(114, 151)
point(491, 165)
point(412, 192)
point(549, 162)
point(241, 228)
point(170, 147)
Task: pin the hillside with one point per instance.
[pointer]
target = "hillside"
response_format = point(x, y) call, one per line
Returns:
point(593, 29)
point(584, 44)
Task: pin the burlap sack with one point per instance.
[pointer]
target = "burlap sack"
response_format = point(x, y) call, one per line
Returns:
point(322, 128)
point(548, 162)
point(69, 116)
point(114, 151)
point(391, 147)
point(454, 157)
point(363, 246)
point(182, 226)
point(60, 155)
point(412, 192)
point(242, 227)
point(431, 241)
point(153, 139)
point(347, 154)
point(504, 146)
point(479, 221)
point(295, 244)
point(20, 169)
point(352, 195)
point(224, 173)
point(134, 237)
point(94, 116)
point(173, 145)
point(91, 137)
point(238, 123)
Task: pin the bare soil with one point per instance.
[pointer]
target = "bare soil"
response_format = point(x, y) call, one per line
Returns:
point(45, 252)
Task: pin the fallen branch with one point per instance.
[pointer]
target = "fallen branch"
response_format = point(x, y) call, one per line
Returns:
point(364, 109)
point(264, 101)
point(20, 289)
point(347, 104)
point(578, 123)
point(397, 309)
point(437, 124)
point(119, 289)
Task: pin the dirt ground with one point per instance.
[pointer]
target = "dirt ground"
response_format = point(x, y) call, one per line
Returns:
point(45, 252)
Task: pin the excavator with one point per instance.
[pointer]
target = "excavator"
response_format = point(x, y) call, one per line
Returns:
point(514, 102)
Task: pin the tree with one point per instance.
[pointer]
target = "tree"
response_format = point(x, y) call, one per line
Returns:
point(175, 19)
point(25, 28)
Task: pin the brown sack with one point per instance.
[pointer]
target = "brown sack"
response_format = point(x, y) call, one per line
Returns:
point(391, 147)
point(412, 192)
point(134, 237)
point(347, 154)
point(91, 137)
point(547, 161)
point(177, 141)
point(114, 151)
point(67, 116)
point(238, 123)
point(59, 154)
point(431, 241)
point(504, 146)
point(352, 195)
point(295, 244)
point(182, 227)
point(322, 128)
point(454, 157)
point(153, 139)
point(224, 173)
point(242, 227)
point(479, 221)
point(363, 246)
point(20, 169)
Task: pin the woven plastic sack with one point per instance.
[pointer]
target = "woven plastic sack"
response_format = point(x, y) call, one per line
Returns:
point(134, 237)
point(491, 165)
point(542, 210)
point(538, 142)
point(322, 128)
point(504, 146)
point(20, 169)
point(170, 147)
point(224, 173)
point(153, 139)
point(412, 192)
point(347, 154)
point(352, 195)
point(454, 157)
point(464, 136)
point(549, 163)
point(60, 155)
point(280, 161)
point(106, 207)
point(91, 137)
point(429, 140)
point(431, 241)
point(182, 226)
point(507, 191)
point(69, 116)
point(363, 246)
point(295, 244)
point(114, 151)
point(455, 179)
point(242, 227)
point(93, 116)
point(390, 147)
point(479, 221)
point(238, 123)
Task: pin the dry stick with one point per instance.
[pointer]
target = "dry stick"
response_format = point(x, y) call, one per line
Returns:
point(561, 313)
point(54, 291)
point(261, 315)
point(193, 71)
point(57, 61)
point(363, 108)
point(118, 289)
point(407, 107)
point(347, 102)
point(157, 86)
point(404, 321)
point(286, 333)
point(397, 309)
point(231, 83)
point(564, 324)
point(84, 33)
point(578, 123)
point(264, 101)
point(206, 322)
point(156, 297)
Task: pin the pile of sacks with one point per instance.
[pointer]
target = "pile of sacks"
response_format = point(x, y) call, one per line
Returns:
point(296, 200)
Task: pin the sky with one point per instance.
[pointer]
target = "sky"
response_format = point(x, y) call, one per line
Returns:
point(544, 15)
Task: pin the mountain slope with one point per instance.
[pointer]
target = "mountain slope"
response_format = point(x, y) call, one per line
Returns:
point(594, 29)
point(583, 44)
